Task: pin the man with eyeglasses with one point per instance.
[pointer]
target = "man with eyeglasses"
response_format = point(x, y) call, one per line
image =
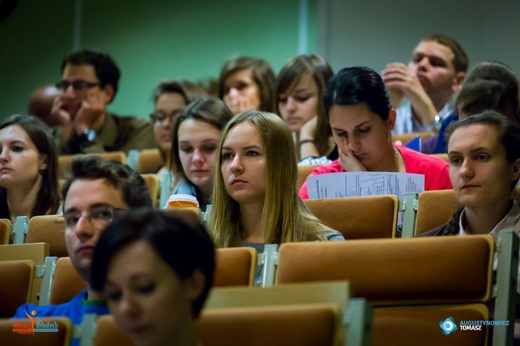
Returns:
point(89, 82)
point(97, 192)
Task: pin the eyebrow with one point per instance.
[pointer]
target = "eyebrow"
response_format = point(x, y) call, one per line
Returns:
point(355, 127)
point(247, 147)
point(95, 205)
point(472, 151)
point(202, 142)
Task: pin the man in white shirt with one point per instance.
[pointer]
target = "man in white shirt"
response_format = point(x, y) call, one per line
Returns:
point(435, 72)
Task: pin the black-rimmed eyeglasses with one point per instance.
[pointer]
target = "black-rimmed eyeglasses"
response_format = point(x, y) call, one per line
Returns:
point(99, 216)
point(78, 85)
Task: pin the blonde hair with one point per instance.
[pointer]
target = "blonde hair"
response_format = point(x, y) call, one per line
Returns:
point(285, 218)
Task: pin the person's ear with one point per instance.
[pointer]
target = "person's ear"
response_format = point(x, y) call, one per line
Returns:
point(43, 163)
point(196, 284)
point(108, 93)
point(457, 82)
point(390, 121)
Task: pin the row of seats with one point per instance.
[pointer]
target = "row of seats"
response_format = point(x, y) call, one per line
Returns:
point(143, 161)
point(304, 318)
point(411, 284)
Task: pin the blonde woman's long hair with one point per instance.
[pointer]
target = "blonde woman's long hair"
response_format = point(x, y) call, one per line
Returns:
point(285, 218)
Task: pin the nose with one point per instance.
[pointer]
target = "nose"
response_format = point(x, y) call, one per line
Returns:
point(69, 92)
point(197, 157)
point(466, 170)
point(127, 305)
point(424, 63)
point(236, 166)
point(291, 104)
point(4, 155)
point(84, 229)
point(233, 92)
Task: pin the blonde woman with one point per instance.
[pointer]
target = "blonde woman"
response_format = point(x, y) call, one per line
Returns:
point(254, 197)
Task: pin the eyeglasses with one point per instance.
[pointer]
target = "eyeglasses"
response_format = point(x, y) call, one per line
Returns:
point(77, 85)
point(159, 117)
point(99, 216)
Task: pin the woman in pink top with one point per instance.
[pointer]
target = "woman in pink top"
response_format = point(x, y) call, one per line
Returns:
point(361, 118)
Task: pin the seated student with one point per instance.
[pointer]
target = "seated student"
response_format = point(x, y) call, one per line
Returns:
point(195, 136)
point(28, 168)
point(156, 270)
point(484, 154)
point(170, 98)
point(490, 85)
point(361, 118)
point(300, 86)
point(89, 83)
point(247, 83)
point(254, 197)
point(97, 190)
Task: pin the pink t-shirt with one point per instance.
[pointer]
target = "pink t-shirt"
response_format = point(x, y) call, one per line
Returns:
point(436, 171)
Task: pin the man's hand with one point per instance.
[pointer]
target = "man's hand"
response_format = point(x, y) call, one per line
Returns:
point(91, 110)
point(400, 80)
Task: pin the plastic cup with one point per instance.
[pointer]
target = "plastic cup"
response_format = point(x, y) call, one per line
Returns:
point(182, 201)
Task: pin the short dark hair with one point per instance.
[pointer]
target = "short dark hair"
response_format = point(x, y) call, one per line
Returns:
point(491, 85)
point(181, 241)
point(106, 69)
point(133, 188)
point(47, 199)
point(507, 131)
point(358, 84)
point(262, 73)
point(460, 58)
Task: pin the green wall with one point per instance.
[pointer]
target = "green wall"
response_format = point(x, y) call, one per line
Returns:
point(150, 40)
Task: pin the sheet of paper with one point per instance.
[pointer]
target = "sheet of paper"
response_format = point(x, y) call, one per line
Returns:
point(352, 184)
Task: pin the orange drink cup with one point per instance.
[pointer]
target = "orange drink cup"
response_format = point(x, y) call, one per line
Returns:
point(182, 201)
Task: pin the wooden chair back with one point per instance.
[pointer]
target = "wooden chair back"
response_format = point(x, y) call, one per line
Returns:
point(67, 283)
point(434, 208)
point(35, 252)
point(48, 229)
point(64, 161)
point(149, 161)
point(303, 173)
point(16, 277)
point(152, 181)
point(298, 325)
point(404, 279)
point(358, 217)
point(235, 267)
point(5, 231)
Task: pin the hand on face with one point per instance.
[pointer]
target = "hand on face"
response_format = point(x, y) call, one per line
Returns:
point(347, 160)
point(400, 80)
point(238, 104)
point(93, 106)
point(308, 130)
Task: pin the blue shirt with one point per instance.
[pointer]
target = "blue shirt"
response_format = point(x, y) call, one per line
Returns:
point(74, 310)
